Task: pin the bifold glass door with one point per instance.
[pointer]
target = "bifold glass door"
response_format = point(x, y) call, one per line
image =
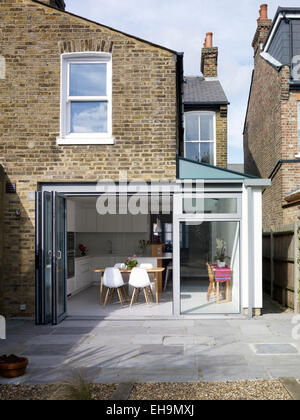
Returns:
point(50, 258)
point(209, 267)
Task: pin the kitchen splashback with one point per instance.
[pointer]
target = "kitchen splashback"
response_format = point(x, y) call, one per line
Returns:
point(115, 243)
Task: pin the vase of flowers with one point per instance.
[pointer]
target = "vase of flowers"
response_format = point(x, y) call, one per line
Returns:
point(143, 246)
point(221, 253)
point(131, 262)
point(83, 250)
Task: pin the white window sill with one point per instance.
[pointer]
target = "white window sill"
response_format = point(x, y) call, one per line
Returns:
point(84, 141)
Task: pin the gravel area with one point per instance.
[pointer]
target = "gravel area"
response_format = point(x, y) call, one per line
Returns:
point(249, 390)
point(49, 392)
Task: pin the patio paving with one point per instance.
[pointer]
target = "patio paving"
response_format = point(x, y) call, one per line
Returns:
point(156, 351)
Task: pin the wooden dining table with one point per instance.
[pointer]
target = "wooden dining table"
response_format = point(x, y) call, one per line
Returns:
point(154, 271)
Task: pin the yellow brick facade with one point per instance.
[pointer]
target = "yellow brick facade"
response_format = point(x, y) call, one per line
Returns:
point(144, 118)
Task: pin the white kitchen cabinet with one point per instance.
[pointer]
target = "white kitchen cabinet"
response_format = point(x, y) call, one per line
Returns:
point(71, 216)
point(90, 223)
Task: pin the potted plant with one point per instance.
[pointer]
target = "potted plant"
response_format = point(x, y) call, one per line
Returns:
point(144, 245)
point(131, 262)
point(83, 249)
point(12, 366)
point(221, 252)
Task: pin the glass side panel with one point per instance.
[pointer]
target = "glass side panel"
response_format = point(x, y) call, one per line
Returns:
point(209, 268)
point(210, 205)
point(88, 80)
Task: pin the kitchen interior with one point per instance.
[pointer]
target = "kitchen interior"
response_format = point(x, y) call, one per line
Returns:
point(100, 241)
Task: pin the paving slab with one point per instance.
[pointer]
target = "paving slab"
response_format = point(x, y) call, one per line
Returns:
point(258, 329)
point(275, 349)
point(74, 331)
point(123, 392)
point(169, 324)
point(147, 375)
point(48, 350)
point(147, 339)
point(292, 387)
point(233, 373)
point(52, 376)
point(179, 340)
point(59, 340)
point(280, 370)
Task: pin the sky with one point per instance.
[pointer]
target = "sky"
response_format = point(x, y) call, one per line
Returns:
point(181, 26)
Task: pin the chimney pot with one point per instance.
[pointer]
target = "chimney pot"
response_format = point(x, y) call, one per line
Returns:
point(209, 40)
point(263, 13)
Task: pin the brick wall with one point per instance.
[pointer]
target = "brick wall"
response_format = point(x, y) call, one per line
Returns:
point(221, 137)
point(32, 39)
point(271, 134)
point(209, 62)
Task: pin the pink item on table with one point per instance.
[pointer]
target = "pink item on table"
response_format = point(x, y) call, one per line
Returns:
point(222, 275)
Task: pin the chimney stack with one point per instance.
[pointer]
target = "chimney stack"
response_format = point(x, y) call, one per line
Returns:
point(209, 59)
point(263, 26)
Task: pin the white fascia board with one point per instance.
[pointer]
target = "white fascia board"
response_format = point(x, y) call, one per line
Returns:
point(270, 59)
point(257, 182)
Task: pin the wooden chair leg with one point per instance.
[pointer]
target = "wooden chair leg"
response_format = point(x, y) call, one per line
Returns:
point(218, 292)
point(146, 296)
point(133, 298)
point(209, 292)
point(112, 295)
point(138, 295)
point(151, 294)
point(126, 292)
point(106, 298)
point(120, 296)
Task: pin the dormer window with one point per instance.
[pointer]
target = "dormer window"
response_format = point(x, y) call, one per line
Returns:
point(86, 99)
point(200, 137)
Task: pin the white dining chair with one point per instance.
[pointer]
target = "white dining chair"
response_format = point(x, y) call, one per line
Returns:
point(147, 266)
point(139, 280)
point(113, 280)
point(122, 266)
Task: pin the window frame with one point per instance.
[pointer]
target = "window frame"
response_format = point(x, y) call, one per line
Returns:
point(199, 113)
point(66, 137)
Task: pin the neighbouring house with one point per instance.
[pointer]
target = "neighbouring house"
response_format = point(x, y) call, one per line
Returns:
point(205, 106)
point(87, 114)
point(272, 140)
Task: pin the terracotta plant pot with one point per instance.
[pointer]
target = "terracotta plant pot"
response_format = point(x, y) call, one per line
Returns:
point(13, 366)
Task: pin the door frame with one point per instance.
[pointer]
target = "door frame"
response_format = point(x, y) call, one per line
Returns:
point(178, 218)
point(40, 268)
